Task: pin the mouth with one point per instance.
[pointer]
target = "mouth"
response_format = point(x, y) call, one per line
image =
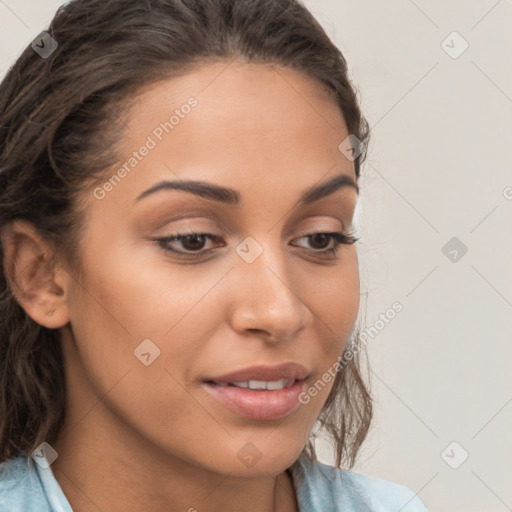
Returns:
point(271, 385)
point(259, 393)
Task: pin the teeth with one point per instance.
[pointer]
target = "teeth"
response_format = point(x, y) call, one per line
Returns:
point(263, 384)
point(259, 384)
point(241, 384)
point(276, 384)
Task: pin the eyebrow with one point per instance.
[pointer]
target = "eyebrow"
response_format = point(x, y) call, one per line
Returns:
point(232, 197)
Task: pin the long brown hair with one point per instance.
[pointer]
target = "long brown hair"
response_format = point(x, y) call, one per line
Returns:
point(60, 125)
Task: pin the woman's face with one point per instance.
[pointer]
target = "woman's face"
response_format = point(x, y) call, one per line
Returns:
point(149, 326)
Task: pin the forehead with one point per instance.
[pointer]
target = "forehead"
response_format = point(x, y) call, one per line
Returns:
point(240, 84)
point(236, 124)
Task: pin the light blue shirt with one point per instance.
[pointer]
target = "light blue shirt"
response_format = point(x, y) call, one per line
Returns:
point(25, 486)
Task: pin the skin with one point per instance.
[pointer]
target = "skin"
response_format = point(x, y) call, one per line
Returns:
point(149, 437)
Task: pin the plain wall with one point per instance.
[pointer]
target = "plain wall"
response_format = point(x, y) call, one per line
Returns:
point(439, 166)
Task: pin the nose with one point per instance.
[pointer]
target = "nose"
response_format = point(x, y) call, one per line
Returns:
point(266, 299)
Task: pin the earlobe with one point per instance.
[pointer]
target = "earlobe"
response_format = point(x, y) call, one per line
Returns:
point(38, 283)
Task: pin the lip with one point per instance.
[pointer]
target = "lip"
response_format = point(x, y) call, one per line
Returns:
point(259, 404)
point(283, 371)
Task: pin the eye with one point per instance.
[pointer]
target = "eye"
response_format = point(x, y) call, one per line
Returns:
point(191, 243)
point(324, 240)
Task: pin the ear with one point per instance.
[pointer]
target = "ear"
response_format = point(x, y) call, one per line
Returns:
point(39, 284)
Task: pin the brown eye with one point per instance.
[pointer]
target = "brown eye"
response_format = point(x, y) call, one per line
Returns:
point(323, 240)
point(191, 243)
point(320, 240)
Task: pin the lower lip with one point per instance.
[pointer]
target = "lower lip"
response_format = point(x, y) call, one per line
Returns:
point(258, 404)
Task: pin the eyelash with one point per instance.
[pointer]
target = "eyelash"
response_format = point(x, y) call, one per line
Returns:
point(339, 238)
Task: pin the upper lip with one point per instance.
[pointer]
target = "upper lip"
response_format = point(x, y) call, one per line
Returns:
point(265, 373)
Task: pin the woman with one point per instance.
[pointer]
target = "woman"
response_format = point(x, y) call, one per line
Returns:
point(180, 282)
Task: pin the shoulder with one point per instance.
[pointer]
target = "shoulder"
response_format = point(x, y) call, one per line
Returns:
point(20, 487)
point(325, 488)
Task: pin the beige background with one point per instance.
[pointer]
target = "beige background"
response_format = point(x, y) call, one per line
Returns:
point(439, 167)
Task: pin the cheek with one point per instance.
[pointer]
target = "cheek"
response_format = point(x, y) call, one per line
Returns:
point(334, 300)
point(113, 311)
point(335, 303)
point(125, 298)
point(130, 294)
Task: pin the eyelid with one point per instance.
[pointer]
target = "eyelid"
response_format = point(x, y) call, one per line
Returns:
point(319, 225)
point(307, 232)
